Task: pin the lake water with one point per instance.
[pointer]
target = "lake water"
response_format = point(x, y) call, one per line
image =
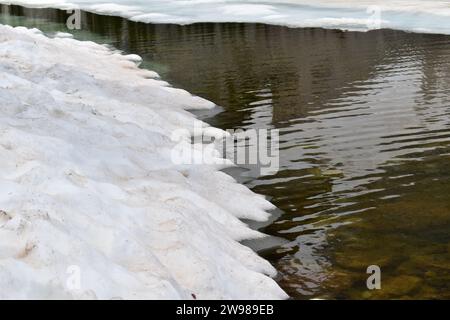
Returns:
point(364, 122)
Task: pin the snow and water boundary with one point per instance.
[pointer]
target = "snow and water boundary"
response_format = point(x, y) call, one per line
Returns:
point(423, 16)
point(91, 205)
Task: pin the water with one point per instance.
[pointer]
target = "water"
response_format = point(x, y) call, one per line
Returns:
point(364, 120)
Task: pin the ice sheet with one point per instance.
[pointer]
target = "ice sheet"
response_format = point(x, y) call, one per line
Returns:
point(412, 15)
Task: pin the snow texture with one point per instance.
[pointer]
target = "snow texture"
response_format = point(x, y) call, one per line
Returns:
point(91, 206)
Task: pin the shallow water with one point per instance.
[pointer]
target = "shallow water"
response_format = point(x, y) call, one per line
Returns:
point(364, 123)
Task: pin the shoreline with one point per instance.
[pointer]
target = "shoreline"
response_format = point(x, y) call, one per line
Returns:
point(357, 19)
point(90, 172)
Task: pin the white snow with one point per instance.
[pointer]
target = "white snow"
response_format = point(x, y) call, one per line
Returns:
point(360, 15)
point(87, 187)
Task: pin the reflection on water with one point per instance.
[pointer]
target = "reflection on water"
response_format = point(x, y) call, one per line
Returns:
point(364, 123)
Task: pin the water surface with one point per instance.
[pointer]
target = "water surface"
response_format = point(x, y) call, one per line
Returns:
point(364, 120)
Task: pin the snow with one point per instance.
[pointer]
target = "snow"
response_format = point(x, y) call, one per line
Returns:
point(91, 207)
point(361, 15)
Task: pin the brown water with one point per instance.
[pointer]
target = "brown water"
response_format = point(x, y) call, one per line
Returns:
point(365, 140)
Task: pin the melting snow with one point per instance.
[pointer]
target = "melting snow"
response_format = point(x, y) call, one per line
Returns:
point(87, 187)
point(360, 15)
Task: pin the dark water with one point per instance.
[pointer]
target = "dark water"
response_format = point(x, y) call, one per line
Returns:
point(364, 120)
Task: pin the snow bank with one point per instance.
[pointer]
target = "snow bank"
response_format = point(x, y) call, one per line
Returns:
point(360, 15)
point(91, 205)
